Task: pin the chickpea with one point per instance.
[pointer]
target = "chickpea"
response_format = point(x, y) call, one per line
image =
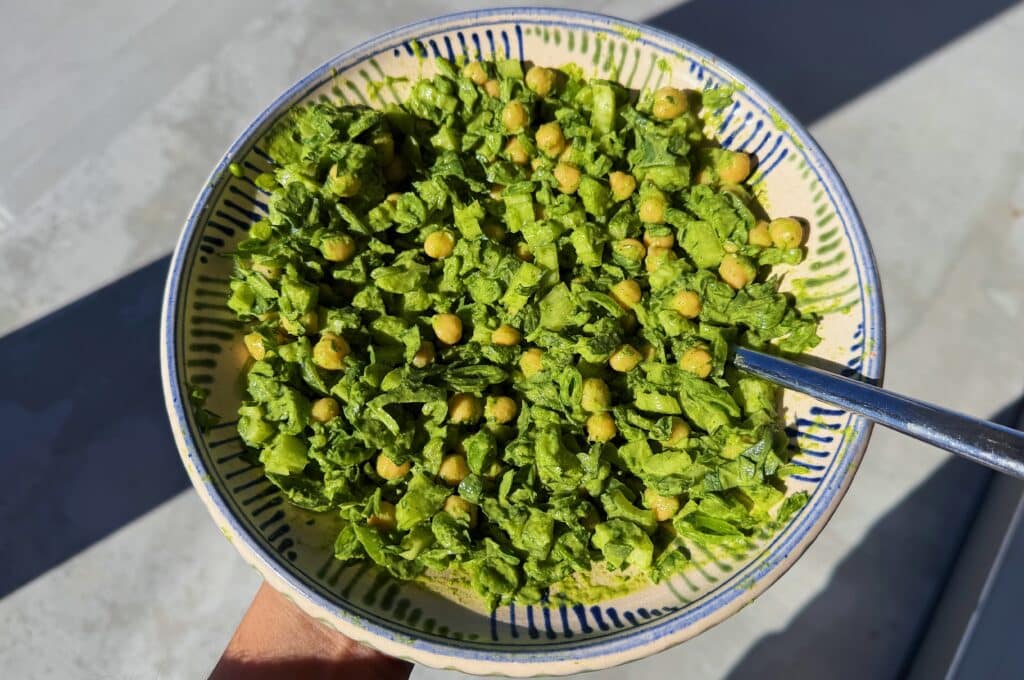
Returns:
point(384, 519)
point(550, 139)
point(501, 409)
point(734, 167)
point(492, 88)
point(626, 293)
point(522, 251)
point(330, 352)
point(325, 409)
point(696, 360)
point(474, 70)
point(457, 506)
point(285, 327)
point(506, 336)
point(648, 352)
point(496, 191)
point(514, 116)
point(657, 256)
point(424, 355)
point(343, 183)
point(655, 240)
point(390, 470)
point(269, 271)
point(686, 303)
point(624, 359)
point(256, 346)
point(786, 232)
point(622, 184)
point(679, 432)
point(736, 270)
point(453, 469)
point(630, 249)
point(595, 396)
point(494, 231)
point(664, 507)
point(652, 208)
point(601, 427)
point(310, 321)
point(568, 177)
point(669, 103)
point(760, 235)
point(530, 362)
point(447, 328)
point(541, 80)
point(439, 244)
point(464, 408)
point(339, 248)
point(516, 152)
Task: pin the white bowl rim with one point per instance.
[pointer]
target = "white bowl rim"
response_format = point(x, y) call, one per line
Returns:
point(630, 644)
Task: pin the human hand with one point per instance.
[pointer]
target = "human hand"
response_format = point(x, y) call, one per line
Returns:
point(276, 639)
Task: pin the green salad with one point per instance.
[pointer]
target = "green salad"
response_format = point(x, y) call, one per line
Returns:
point(490, 328)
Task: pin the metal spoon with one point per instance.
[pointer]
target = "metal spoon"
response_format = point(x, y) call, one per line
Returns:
point(998, 447)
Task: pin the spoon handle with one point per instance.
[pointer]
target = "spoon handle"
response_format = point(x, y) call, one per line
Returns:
point(998, 447)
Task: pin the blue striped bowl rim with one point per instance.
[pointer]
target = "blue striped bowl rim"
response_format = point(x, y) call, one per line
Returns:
point(591, 654)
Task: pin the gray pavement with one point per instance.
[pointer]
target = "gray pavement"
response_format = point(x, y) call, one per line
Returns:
point(114, 113)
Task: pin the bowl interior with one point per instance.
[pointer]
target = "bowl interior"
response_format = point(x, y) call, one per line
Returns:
point(203, 348)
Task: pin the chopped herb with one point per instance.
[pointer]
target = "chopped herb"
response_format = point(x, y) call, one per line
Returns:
point(489, 328)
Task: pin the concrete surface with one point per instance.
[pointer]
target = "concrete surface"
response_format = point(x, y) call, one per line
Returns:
point(113, 115)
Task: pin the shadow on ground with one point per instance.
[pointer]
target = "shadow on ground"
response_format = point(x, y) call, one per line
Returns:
point(815, 55)
point(87, 447)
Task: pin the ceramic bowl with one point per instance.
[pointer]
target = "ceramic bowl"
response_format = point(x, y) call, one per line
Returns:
point(201, 346)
